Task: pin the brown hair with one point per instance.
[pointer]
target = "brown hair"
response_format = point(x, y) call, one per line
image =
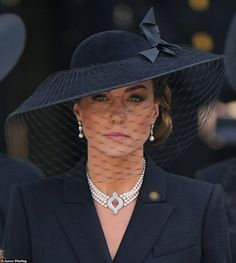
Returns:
point(163, 124)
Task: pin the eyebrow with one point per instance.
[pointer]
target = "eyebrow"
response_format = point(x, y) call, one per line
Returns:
point(135, 87)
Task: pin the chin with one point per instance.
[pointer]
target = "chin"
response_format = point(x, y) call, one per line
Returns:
point(118, 151)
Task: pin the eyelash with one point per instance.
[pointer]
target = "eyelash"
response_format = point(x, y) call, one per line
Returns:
point(98, 97)
point(137, 98)
point(134, 98)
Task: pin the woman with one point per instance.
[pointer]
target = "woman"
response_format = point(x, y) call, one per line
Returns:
point(115, 204)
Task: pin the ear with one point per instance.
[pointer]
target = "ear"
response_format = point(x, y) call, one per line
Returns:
point(155, 110)
point(76, 110)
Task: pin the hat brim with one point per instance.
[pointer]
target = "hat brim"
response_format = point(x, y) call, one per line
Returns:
point(75, 83)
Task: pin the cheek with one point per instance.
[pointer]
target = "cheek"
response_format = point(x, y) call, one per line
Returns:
point(142, 118)
point(93, 124)
point(140, 124)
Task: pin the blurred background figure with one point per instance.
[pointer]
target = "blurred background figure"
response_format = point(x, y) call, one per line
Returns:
point(12, 41)
point(224, 121)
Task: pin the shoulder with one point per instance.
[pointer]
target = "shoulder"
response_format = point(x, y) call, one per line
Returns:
point(18, 169)
point(14, 171)
point(43, 183)
point(191, 190)
point(43, 191)
point(181, 181)
point(179, 189)
point(221, 172)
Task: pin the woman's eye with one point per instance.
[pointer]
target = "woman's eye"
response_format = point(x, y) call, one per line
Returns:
point(99, 97)
point(136, 98)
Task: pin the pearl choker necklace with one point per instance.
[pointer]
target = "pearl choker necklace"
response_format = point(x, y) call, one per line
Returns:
point(121, 200)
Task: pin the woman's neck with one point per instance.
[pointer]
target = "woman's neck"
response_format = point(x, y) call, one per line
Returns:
point(115, 174)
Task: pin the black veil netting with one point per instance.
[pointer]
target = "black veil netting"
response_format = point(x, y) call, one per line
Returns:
point(48, 136)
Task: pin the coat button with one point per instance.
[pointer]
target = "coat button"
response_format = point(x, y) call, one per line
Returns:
point(154, 196)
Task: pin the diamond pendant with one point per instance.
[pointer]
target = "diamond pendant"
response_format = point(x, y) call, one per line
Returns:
point(116, 198)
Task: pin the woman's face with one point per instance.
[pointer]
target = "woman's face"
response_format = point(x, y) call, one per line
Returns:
point(118, 122)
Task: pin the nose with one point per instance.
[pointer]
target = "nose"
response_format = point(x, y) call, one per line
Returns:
point(117, 112)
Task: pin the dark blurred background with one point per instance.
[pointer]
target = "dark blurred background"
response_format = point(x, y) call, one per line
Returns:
point(55, 28)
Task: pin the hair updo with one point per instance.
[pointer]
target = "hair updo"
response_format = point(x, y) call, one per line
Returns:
point(163, 124)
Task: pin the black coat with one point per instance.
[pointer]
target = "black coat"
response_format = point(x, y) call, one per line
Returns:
point(54, 220)
point(224, 173)
point(12, 171)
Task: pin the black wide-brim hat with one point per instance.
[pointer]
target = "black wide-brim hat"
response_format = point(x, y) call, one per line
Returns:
point(106, 61)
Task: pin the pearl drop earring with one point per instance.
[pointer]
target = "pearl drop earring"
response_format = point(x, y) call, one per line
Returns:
point(81, 134)
point(151, 137)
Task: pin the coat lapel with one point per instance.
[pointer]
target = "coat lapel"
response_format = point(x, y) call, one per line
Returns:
point(149, 218)
point(79, 219)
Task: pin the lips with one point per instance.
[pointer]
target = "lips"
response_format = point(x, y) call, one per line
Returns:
point(116, 134)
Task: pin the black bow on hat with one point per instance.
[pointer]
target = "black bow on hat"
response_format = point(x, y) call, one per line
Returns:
point(151, 31)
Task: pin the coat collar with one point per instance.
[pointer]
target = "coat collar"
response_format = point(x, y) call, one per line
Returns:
point(80, 221)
